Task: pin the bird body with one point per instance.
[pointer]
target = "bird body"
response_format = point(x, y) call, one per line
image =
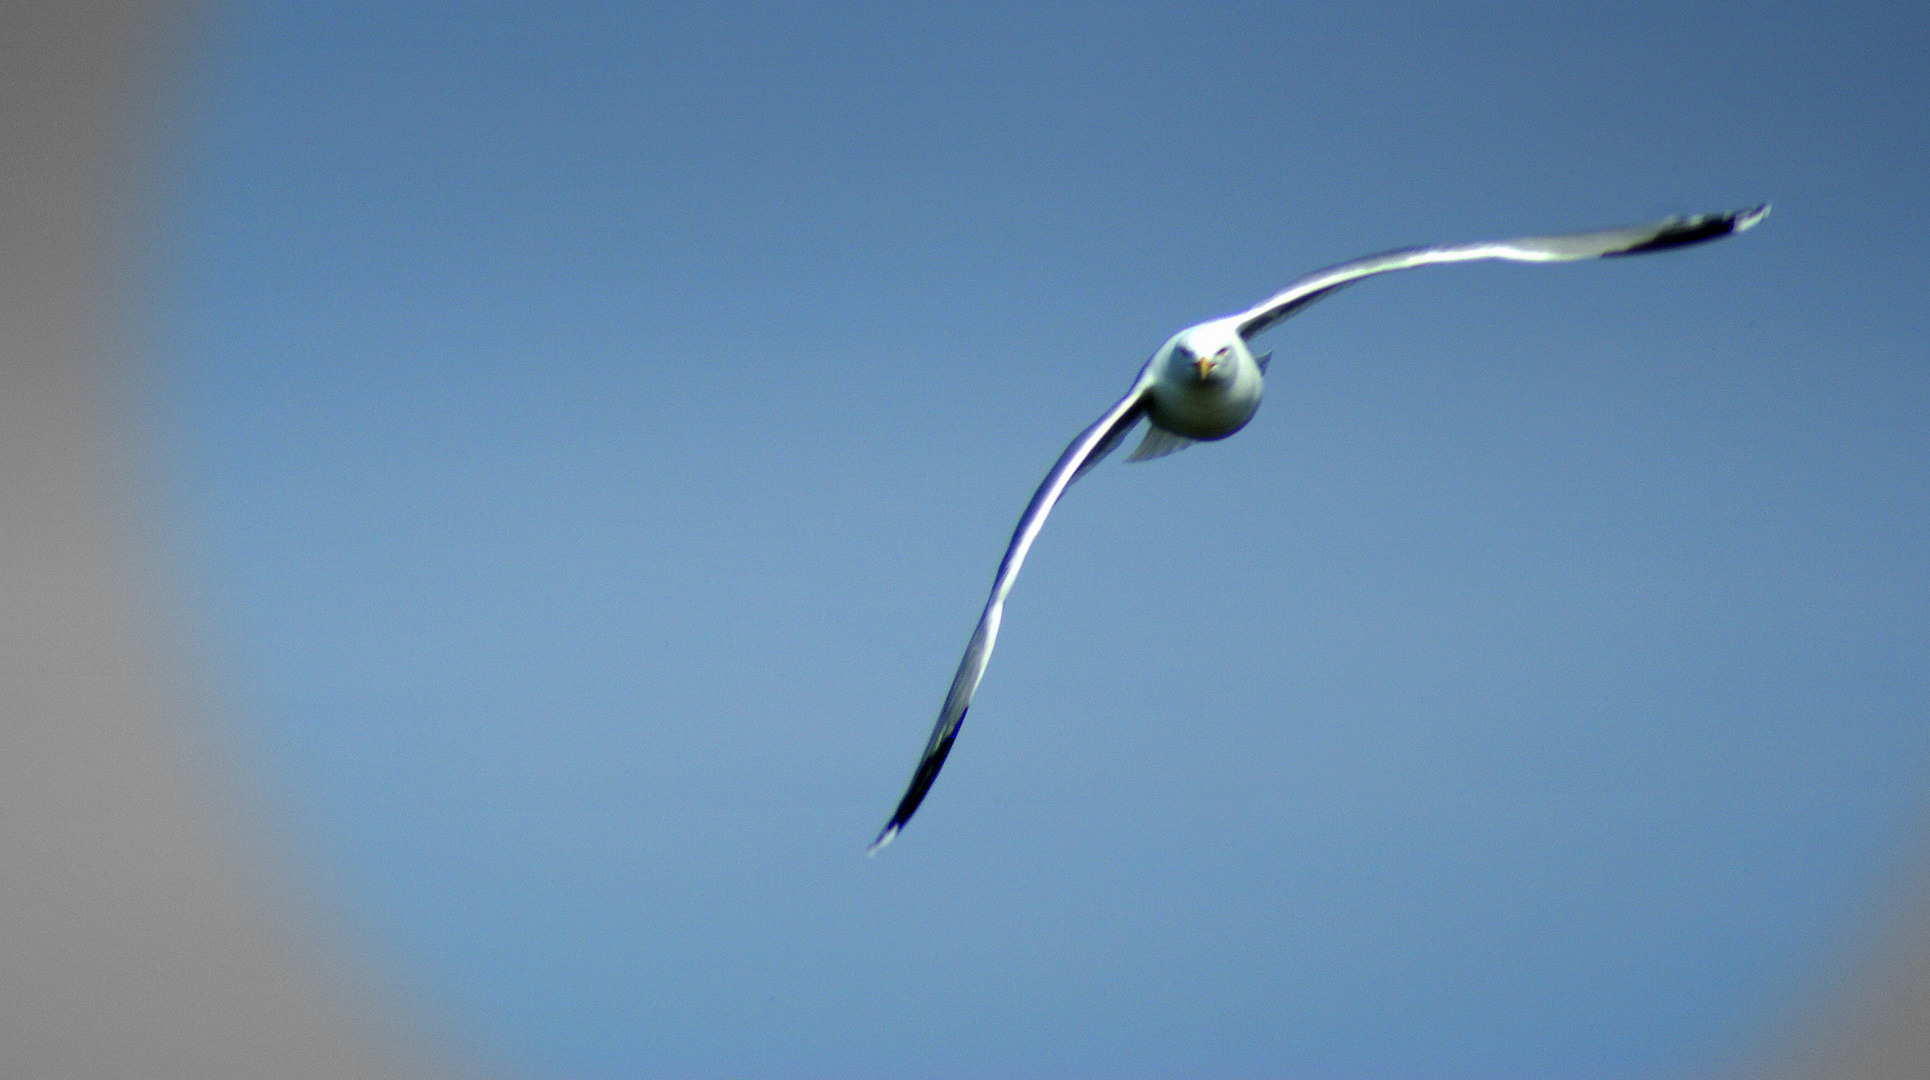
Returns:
point(1205, 383)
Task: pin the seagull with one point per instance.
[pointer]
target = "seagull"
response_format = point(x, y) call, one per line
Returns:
point(1205, 384)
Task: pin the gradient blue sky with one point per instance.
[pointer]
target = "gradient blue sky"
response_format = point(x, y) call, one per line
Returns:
point(587, 433)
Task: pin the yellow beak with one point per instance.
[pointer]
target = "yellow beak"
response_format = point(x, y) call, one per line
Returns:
point(1203, 364)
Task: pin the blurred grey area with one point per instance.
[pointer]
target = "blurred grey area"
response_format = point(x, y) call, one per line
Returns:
point(140, 936)
point(135, 941)
point(1879, 1030)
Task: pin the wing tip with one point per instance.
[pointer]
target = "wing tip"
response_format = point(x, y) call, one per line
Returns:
point(1686, 231)
point(1744, 220)
point(886, 837)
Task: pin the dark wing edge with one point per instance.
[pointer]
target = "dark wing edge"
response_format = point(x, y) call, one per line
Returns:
point(1085, 451)
point(1632, 240)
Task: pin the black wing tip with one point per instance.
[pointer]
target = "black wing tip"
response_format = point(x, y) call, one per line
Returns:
point(1681, 232)
point(921, 782)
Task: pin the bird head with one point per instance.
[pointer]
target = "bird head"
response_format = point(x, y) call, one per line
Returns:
point(1205, 360)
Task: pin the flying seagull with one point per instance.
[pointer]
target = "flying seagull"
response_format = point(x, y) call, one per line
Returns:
point(1205, 384)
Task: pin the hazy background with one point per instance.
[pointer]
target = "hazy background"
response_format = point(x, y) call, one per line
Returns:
point(587, 432)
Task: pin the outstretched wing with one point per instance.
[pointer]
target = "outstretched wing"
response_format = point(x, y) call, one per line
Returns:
point(1092, 444)
point(1633, 240)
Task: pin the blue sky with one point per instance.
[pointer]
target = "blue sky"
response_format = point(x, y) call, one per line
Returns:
point(586, 433)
